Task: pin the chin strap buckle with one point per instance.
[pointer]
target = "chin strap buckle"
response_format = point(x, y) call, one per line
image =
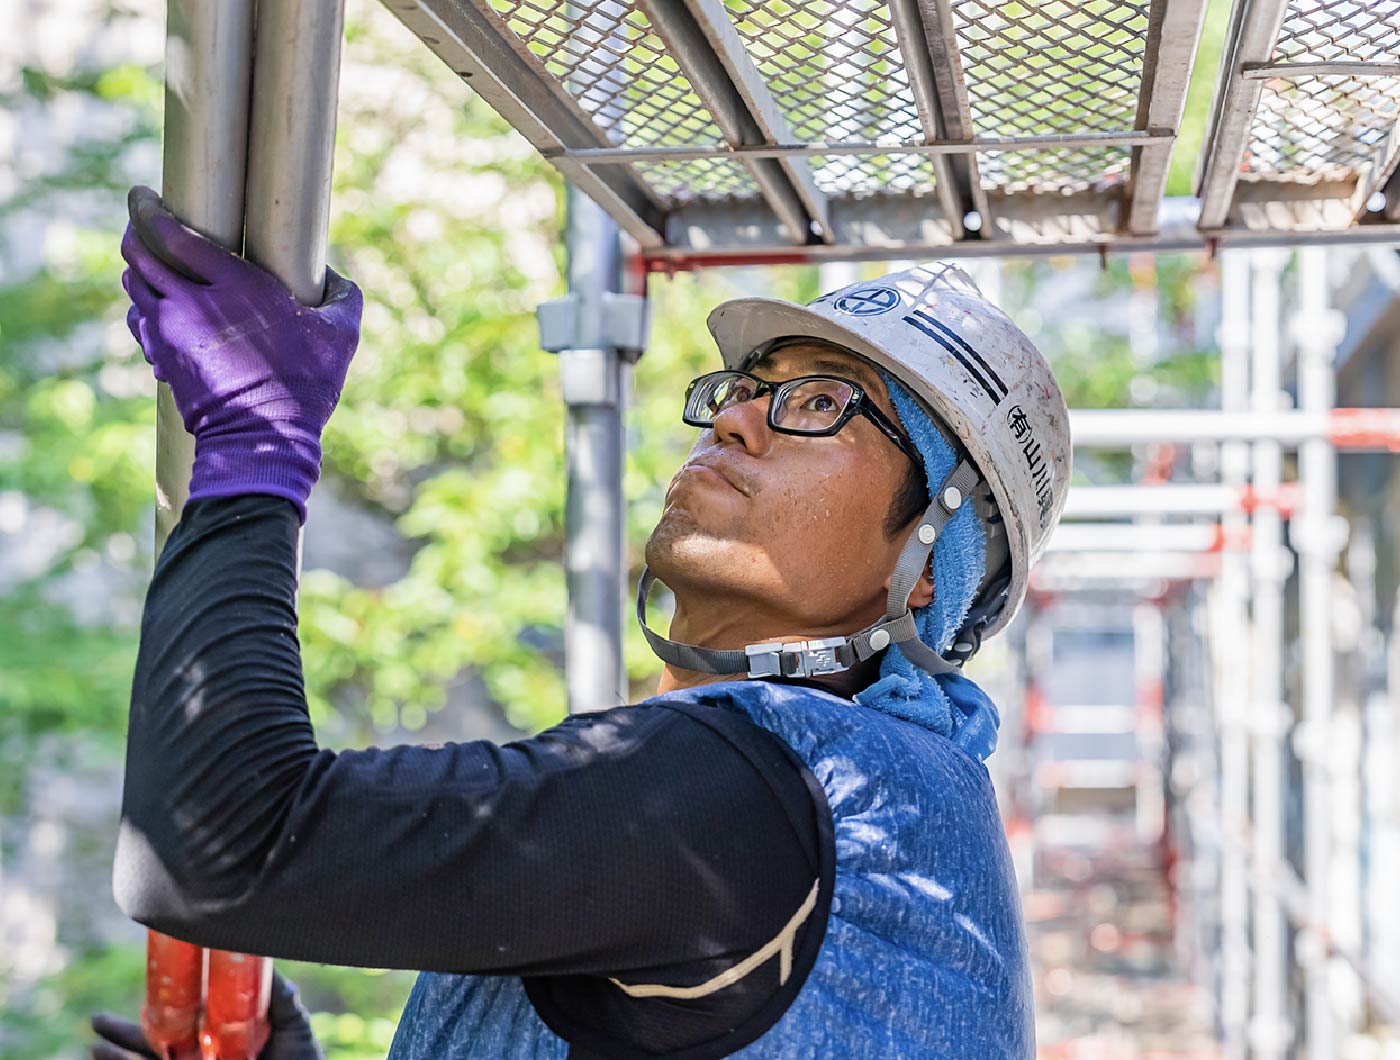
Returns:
point(803, 658)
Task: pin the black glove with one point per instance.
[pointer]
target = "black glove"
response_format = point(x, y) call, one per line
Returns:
point(289, 1031)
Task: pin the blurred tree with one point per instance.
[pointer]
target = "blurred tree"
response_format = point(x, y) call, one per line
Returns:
point(76, 421)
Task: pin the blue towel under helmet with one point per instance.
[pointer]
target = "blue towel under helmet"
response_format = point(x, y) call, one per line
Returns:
point(948, 704)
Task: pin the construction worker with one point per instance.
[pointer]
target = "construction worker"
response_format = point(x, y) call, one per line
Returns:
point(791, 850)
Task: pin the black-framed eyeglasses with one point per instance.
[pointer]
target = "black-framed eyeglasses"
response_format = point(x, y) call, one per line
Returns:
point(814, 405)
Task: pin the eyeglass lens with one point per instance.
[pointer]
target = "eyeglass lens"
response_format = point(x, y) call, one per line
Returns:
point(811, 404)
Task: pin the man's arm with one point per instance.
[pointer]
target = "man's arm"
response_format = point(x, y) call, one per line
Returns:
point(638, 838)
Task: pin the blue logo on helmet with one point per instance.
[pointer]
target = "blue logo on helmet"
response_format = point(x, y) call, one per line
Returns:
point(867, 301)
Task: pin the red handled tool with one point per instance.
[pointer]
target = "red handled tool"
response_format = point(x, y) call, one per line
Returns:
point(206, 1003)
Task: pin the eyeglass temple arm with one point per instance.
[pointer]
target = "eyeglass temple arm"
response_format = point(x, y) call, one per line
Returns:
point(890, 431)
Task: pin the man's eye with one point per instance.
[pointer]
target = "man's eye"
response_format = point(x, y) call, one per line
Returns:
point(820, 403)
point(735, 394)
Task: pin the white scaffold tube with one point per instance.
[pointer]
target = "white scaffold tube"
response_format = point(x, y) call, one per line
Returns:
point(1373, 429)
point(1271, 1030)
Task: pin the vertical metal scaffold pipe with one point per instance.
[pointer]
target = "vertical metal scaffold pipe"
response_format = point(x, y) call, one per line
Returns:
point(1317, 330)
point(1231, 626)
point(208, 62)
point(296, 85)
point(1270, 1031)
point(594, 382)
point(1149, 664)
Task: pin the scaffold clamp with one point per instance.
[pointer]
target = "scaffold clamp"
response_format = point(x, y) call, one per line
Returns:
point(621, 324)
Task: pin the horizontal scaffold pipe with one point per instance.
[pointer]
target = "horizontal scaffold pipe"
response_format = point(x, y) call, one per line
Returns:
point(1067, 571)
point(1368, 429)
point(1176, 499)
point(981, 145)
point(1144, 537)
point(1174, 235)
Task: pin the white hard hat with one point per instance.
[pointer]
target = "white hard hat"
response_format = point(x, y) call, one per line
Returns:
point(979, 374)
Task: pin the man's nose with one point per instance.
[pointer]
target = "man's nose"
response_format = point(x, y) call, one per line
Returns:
point(745, 424)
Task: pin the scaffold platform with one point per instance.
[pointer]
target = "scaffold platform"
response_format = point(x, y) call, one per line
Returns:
point(783, 131)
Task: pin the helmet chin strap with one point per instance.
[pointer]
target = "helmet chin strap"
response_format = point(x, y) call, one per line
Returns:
point(831, 655)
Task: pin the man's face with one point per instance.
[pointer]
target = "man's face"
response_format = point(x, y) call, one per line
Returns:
point(792, 526)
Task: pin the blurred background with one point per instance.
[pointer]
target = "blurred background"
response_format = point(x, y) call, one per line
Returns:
point(433, 592)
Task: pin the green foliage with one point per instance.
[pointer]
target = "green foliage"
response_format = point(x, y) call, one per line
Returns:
point(51, 1019)
point(353, 1010)
point(72, 396)
point(1181, 178)
point(44, 691)
point(449, 423)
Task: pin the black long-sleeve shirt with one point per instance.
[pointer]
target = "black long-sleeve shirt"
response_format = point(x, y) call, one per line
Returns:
point(661, 843)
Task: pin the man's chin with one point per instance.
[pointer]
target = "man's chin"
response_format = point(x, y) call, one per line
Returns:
point(676, 533)
point(681, 547)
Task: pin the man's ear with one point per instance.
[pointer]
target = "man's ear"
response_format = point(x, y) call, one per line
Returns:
point(923, 588)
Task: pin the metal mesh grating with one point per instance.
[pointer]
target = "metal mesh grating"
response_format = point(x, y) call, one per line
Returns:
point(614, 67)
point(700, 180)
point(834, 69)
point(1067, 73)
point(1061, 171)
point(836, 74)
point(860, 175)
point(1051, 67)
point(1320, 31)
point(1313, 129)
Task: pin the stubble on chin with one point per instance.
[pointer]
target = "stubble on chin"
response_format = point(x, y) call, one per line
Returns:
point(682, 550)
point(669, 538)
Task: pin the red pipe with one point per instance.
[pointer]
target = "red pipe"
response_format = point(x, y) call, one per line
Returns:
point(234, 1026)
point(672, 264)
point(174, 986)
point(208, 1004)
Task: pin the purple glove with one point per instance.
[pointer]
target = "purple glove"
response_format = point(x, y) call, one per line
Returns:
point(254, 373)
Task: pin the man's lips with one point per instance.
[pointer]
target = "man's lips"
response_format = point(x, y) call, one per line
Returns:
point(714, 472)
